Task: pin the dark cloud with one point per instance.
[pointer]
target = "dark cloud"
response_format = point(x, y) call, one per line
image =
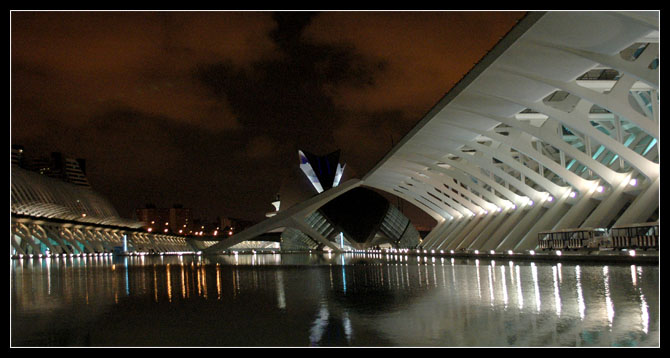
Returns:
point(208, 109)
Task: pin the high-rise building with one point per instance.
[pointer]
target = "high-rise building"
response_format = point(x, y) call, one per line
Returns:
point(54, 166)
point(175, 220)
point(17, 154)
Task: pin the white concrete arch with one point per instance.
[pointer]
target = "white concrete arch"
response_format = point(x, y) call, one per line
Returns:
point(525, 148)
point(429, 208)
point(578, 119)
point(468, 169)
point(615, 101)
point(487, 200)
point(420, 194)
point(431, 183)
point(497, 129)
point(484, 159)
point(548, 134)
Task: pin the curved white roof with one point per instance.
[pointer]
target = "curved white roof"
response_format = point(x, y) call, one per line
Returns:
point(39, 196)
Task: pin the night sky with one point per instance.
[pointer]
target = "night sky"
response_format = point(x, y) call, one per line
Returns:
point(209, 109)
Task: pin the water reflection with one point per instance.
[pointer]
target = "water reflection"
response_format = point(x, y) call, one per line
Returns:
point(329, 300)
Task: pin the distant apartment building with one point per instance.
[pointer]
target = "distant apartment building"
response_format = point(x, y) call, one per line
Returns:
point(17, 154)
point(175, 220)
point(56, 166)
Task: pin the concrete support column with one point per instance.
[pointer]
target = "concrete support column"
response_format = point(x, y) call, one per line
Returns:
point(440, 234)
point(453, 233)
point(609, 207)
point(53, 233)
point(444, 234)
point(643, 206)
point(437, 233)
point(16, 245)
point(27, 238)
point(68, 238)
point(474, 233)
point(467, 230)
point(449, 233)
point(93, 239)
point(577, 213)
point(457, 236)
point(546, 222)
point(513, 238)
point(81, 238)
point(38, 232)
point(490, 229)
point(502, 231)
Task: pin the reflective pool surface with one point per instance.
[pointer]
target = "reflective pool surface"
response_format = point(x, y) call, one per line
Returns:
point(360, 300)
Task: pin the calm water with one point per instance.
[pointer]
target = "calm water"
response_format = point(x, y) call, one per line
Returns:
point(330, 300)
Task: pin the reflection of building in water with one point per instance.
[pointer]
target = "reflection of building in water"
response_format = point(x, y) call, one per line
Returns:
point(414, 301)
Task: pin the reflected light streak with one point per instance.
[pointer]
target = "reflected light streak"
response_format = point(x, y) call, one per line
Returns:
point(155, 285)
point(644, 313)
point(319, 325)
point(608, 300)
point(418, 270)
point(204, 281)
point(633, 274)
point(580, 296)
point(479, 285)
point(557, 294)
point(519, 291)
point(169, 282)
point(198, 282)
point(281, 296)
point(511, 269)
point(538, 303)
point(427, 279)
point(344, 277)
point(48, 264)
point(490, 269)
point(218, 281)
point(183, 282)
point(346, 323)
point(504, 283)
point(127, 284)
point(453, 275)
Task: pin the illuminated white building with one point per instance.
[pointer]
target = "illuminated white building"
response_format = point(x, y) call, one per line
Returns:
point(556, 127)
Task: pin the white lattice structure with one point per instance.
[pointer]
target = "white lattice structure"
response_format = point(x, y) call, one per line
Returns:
point(557, 127)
